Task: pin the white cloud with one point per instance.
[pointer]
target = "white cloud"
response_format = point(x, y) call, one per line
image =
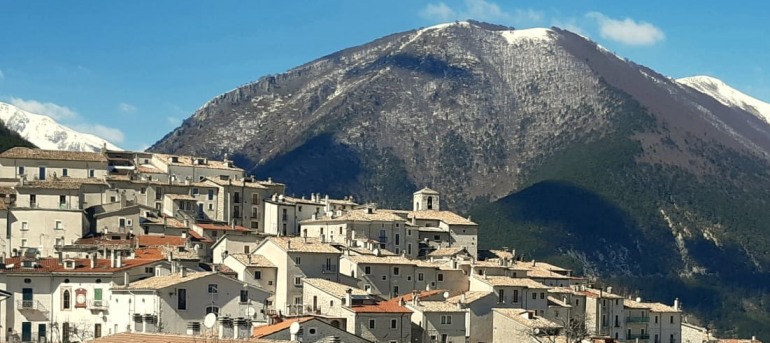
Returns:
point(50, 109)
point(480, 10)
point(126, 107)
point(110, 134)
point(438, 12)
point(627, 31)
point(174, 121)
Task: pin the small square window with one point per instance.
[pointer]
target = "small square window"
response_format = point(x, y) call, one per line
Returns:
point(297, 260)
point(257, 275)
point(297, 281)
point(368, 270)
point(213, 288)
point(371, 323)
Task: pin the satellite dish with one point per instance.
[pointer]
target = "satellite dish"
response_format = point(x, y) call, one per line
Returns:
point(251, 311)
point(537, 331)
point(446, 295)
point(209, 320)
point(294, 328)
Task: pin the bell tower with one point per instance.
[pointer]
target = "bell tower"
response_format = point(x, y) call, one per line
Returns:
point(426, 199)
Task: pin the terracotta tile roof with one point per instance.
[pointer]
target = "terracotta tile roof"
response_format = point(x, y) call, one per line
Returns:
point(534, 322)
point(371, 259)
point(447, 217)
point(598, 293)
point(470, 297)
point(198, 237)
point(148, 169)
point(300, 244)
point(39, 154)
point(361, 215)
point(190, 161)
point(266, 330)
point(434, 306)
point(181, 197)
point(421, 294)
point(451, 251)
point(222, 227)
point(158, 282)
point(83, 265)
point(655, 307)
point(62, 183)
point(510, 281)
point(238, 183)
point(156, 241)
point(253, 260)
point(381, 307)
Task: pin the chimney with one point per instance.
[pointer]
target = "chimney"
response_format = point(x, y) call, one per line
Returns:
point(676, 303)
point(122, 199)
point(112, 258)
point(462, 298)
point(288, 244)
point(414, 298)
point(93, 260)
point(304, 235)
point(401, 301)
point(119, 261)
point(638, 299)
point(349, 297)
point(126, 279)
point(61, 257)
point(182, 271)
point(534, 263)
point(609, 290)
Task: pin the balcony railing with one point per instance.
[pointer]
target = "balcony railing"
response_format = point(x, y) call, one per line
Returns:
point(639, 336)
point(98, 304)
point(328, 268)
point(30, 305)
point(637, 319)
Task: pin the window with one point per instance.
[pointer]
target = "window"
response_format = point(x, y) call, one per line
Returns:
point(66, 300)
point(393, 323)
point(21, 170)
point(420, 276)
point(212, 309)
point(534, 295)
point(542, 295)
point(397, 238)
point(500, 295)
point(671, 338)
point(440, 277)
point(113, 199)
point(446, 319)
point(91, 173)
point(23, 242)
point(257, 275)
point(515, 296)
point(436, 238)
point(59, 241)
point(368, 270)
point(408, 232)
point(395, 270)
point(211, 194)
point(32, 200)
point(371, 323)
point(409, 248)
point(181, 299)
point(143, 190)
point(297, 281)
point(149, 270)
point(312, 331)
point(195, 191)
point(299, 208)
point(297, 260)
point(236, 211)
point(236, 197)
point(211, 207)
point(395, 290)
point(444, 338)
point(656, 319)
point(384, 277)
point(213, 288)
point(297, 300)
point(244, 297)
point(672, 319)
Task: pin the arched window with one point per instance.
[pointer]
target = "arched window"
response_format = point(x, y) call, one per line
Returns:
point(66, 299)
point(430, 203)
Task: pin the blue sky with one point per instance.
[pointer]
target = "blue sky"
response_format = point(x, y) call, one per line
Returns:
point(131, 71)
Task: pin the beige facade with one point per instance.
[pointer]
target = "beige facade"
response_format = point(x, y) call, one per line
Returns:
point(437, 321)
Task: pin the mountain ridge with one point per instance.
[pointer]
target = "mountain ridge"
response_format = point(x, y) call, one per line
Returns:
point(485, 115)
point(46, 133)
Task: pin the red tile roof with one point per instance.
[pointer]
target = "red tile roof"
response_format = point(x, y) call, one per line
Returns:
point(262, 331)
point(198, 237)
point(82, 265)
point(389, 306)
point(156, 241)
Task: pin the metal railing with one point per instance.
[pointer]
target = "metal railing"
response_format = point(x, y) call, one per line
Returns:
point(30, 305)
point(98, 304)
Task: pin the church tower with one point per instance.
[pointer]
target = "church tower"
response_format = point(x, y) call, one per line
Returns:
point(426, 199)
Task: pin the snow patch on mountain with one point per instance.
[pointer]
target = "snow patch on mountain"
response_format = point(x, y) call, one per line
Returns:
point(536, 34)
point(727, 95)
point(48, 134)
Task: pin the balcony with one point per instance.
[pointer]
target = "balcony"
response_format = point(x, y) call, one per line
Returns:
point(632, 337)
point(328, 268)
point(637, 320)
point(98, 305)
point(30, 305)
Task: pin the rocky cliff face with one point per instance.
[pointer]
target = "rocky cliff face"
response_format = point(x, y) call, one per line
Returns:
point(563, 149)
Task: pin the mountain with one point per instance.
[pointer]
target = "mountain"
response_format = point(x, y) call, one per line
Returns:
point(728, 95)
point(46, 133)
point(555, 145)
point(10, 139)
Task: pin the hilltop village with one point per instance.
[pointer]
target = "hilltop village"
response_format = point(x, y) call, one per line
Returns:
point(117, 246)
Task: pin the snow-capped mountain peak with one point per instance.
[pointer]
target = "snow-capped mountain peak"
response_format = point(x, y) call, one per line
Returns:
point(46, 133)
point(727, 95)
